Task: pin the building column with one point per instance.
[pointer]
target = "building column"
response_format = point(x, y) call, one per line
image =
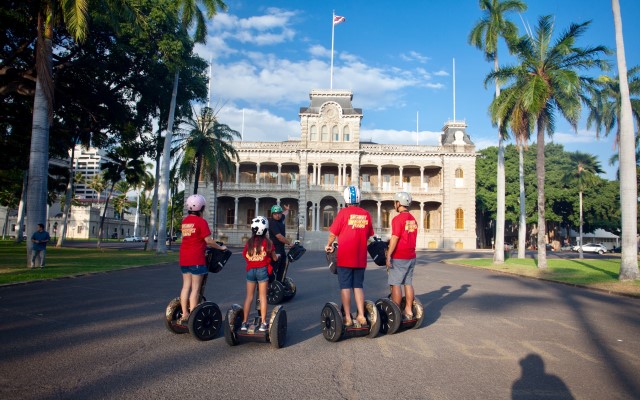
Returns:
point(279, 172)
point(421, 178)
point(401, 182)
point(257, 176)
point(315, 174)
point(257, 205)
point(379, 223)
point(235, 213)
point(344, 175)
point(319, 180)
point(421, 223)
point(339, 175)
point(237, 173)
point(379, 177)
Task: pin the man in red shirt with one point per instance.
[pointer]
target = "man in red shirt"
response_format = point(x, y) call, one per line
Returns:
point(401, 256)
point(353, 227)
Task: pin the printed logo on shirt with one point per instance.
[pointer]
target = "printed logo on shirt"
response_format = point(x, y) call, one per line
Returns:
point(257, 257)
point(358, 221)
point(410, 226)
point(188, 229)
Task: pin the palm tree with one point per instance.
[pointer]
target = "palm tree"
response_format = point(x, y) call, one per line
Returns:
point(206, 150)
point(190, 13)
point(74, 179)
point(124, 163)
point(582, 175)
point(484, 36)
point(121, 202)
point(628, 180)
point(548, 82)
point(72, 15)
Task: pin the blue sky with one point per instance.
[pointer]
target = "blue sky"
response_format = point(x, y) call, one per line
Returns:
point(397, 60)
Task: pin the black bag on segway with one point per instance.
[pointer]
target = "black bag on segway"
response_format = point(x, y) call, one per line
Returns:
point(216, 259)
point(295, 252)
point(332, 259)
point(378, 251)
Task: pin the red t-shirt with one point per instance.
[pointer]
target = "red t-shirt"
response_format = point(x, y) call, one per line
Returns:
point(259, 260)
point(353, 227)
point(193, 247)
point(405, 227)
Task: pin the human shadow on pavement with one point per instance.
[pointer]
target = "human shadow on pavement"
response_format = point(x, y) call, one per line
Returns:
point(534, 383)
point(434, 302)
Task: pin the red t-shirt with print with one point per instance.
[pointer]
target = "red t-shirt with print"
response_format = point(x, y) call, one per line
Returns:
point(353, 227)
point(193, 247)
point(261, 259)
point(405, 227)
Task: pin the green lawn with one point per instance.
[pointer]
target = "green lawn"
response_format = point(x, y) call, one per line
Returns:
point(595, 273)
point(72, 261)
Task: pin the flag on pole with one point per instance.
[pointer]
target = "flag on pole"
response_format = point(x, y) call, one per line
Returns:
point(338, 19)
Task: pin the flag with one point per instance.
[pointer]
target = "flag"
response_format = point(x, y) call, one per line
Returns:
point(338, 19)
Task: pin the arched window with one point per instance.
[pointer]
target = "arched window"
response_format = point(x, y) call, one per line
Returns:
point(459, 218)
point(335, 134)
point(313, 133)
point(345, 133)
point(325, 134)
point(459, 177)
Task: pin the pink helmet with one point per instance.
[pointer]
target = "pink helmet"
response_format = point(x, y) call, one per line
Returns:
point(195, 202)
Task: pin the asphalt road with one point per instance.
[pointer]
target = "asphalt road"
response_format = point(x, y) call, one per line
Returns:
point(485, 336)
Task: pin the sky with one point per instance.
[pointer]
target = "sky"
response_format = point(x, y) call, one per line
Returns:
point(398, 61)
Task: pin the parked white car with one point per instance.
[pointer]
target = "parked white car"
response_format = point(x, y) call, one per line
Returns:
point(132, 239)
point(591, 248)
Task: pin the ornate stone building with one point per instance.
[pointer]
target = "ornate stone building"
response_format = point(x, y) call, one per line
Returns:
point(310, 173)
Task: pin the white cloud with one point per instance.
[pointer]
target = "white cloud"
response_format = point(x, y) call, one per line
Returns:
point(414, 56)
point(441, 73)
point(583, 136)
point(259, 125)
point(393, 136)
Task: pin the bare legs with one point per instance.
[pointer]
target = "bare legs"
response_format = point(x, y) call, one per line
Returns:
point(345, 295)
point(262, 295)
point(396, 296)
point(190, 293)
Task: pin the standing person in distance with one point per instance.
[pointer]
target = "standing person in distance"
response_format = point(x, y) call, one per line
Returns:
point(40, 238)
point(258, 253)
point(401, 255)
point(353, 227)
point(278, 233)
point(196, 236)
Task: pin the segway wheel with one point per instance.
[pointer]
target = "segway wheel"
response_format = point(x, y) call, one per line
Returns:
point(418, 312)
point(205, 321)
point(373, 318)
point(233, 322)
point(390, 316)
point(278, 327)
point(289, 289)
point(331, 322)
point(172, 314)
point(275, 292)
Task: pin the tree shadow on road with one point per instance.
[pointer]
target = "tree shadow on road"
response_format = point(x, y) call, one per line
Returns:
point(534, 383)
point(435, 301)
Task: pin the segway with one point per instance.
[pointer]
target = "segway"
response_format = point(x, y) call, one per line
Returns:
point(276, 335)
point(284, 289)
point(332, 317)
point(391, 315)
point(206, 319)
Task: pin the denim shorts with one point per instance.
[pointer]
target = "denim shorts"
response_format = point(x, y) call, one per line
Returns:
point(258, 275)
point(350, 278)
point(195, 270)
point(401, 272)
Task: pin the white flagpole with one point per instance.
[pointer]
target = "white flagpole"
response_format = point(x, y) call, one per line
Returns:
point(333, 27)
point(454, 89)
point(209, 86)
point(242, 131)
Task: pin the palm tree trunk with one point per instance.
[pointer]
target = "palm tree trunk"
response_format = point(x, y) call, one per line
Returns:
point(163, 188)
point(498, 255)
point(540, 172)
point(21, 207)
point(67, 200)
point(580, 253)
point(214, 205)
point(522, 225)
point(197, 173)
point(104, 214)
point(154, 208)
point(628, 184)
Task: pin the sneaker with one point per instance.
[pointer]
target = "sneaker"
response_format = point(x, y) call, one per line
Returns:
point(264, 327)
point(32, 266)
point(244, 327)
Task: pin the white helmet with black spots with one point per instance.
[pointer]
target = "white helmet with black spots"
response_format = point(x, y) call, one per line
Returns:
point(195, 202)
point(351, 195)
point(403, 198)
point(259, 225)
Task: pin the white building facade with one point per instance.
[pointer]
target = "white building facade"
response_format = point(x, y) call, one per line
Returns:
point(310, 174)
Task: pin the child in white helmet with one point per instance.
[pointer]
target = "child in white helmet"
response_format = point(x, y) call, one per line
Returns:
point(258, 253)
point(196, 236)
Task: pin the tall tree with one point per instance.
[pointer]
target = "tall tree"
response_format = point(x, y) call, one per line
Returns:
point(485, 35)
point(628, 180)
point(189, 13)
point(582, 175)
point(548, 82)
